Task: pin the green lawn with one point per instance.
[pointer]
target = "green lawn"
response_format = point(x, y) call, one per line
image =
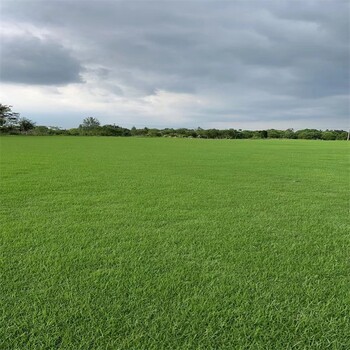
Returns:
point(146, 243)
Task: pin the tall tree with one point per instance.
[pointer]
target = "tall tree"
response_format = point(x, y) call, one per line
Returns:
point(90, 123)
point(7, 116)
point(26, 124)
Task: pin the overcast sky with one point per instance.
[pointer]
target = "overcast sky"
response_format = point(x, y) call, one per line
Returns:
point(224, 64)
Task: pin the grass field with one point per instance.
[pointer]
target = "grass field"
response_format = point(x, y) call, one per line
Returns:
point(146, 243)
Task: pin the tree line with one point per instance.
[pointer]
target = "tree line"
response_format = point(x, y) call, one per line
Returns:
point(12, 124)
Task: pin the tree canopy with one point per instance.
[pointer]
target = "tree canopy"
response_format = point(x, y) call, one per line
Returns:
point(90, 123)
point(7, 116)
point(11, 123)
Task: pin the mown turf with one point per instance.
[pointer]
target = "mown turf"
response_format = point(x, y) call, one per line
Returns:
point(139, 243)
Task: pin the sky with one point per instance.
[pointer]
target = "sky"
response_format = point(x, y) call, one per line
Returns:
point(211, 64)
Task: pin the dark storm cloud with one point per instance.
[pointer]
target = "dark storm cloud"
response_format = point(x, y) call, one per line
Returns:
point(293, 52)
point(32, 60)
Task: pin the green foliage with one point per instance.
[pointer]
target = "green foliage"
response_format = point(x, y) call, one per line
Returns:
point(115, 130)
point(309, 134)
point(10, 124)
point(25, 125)
point(74, 131)
point(277, 134)
point(90, 123)
point(41, 130)
point(8, 118)
point(163, 243)
point(289, 134)
point(328, 135)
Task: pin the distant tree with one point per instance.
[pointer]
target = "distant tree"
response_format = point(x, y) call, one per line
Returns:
point(342, 135)
point(231, 134)
point(309, 134)
point(144, 131)
point(274, 134)
point(289, 134)
point(192, 133)
point(328, 135)
point(90, 123)
point(26, 124)
point(154, 133)
point(7, 116)
point(212, 133)
point(201, 133)
point(41, 130)
point(247, 134)
point(263, 134)
point(73, 132)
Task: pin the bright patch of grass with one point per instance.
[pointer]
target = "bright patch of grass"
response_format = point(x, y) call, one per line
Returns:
point(128, 243)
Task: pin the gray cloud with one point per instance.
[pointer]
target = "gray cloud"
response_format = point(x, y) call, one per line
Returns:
point(275, 60)
point(31, 60)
